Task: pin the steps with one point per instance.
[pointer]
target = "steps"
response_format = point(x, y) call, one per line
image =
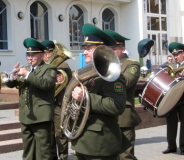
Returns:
point(10, 145)
point(9, 94)
point(10, 132)
point(10, 136)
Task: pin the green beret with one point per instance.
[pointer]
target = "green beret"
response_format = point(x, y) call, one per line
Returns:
point(119, 38)
point(144, 47)
point(33, 46)
point(95, 35)
point(176, 47)
point(49, 45)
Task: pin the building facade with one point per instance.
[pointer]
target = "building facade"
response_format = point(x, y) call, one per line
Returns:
point(62, 20)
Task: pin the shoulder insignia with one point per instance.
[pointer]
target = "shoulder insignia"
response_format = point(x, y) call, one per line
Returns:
point(133, 70)
point(53, 73)
point(131, 59)
point(118, 87)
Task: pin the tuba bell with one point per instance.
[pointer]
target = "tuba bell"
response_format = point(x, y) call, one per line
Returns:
point(74, 116)
point(59, 55)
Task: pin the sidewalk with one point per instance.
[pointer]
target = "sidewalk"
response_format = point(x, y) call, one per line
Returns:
point(150, 143)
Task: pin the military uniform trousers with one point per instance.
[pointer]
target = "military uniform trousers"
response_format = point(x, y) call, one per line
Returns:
point(78, 156)
point(128, 140)
point(172, 125)
point(37, 141)
point(59, 140)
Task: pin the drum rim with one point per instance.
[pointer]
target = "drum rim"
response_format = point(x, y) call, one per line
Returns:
point(162, 95)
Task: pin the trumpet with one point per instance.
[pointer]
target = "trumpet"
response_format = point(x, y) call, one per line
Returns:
point(5, 77)
point(172, 72)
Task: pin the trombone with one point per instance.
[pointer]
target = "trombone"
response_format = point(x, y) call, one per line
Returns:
point(5, 77)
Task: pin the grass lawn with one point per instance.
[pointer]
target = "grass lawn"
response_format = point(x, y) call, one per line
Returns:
point(136, 100)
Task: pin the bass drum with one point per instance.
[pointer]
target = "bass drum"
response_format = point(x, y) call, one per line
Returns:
point(161, 93)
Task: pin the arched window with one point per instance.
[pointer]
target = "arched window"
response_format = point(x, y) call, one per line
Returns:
point(3, 26)
point(108, 20)
point(76, 21)
point(39, 21)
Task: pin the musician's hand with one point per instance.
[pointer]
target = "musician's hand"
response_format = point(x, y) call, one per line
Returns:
point(60, 77)
point(22, 72)
point(14, 74)
point(181, 73)
point(77, 93)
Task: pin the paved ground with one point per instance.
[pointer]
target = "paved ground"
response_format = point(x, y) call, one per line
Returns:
point(150, 143)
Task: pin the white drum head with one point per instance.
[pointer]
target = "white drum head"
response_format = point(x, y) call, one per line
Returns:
point(171, 98)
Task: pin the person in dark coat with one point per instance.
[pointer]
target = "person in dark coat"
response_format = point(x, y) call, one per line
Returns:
point(36, 102)
point(101, 137)
point(129, 119)
point(59, 140)
point(176, 116)
point(169, 60)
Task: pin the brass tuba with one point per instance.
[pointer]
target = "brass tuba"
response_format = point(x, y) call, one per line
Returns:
point(73, 115)
point(59, 55)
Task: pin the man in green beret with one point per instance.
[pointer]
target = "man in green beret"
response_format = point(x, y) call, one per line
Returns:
point(36, 102)
point(129, 118)
point(177, 50)
point(101, 137)
point(60, 141)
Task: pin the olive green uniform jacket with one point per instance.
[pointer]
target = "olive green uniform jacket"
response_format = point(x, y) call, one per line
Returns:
point(36, 95)
point(102, 135)
point(131, 70)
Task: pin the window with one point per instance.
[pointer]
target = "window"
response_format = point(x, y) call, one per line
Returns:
point(164, 24)
point(153, 23)
point(153, 6)
point(164, 41)
point(157, 10)
point(3, 26)
point(39, 21)
point(108, 20)
point(157, 27)
point(163, 6)
point(76, 21)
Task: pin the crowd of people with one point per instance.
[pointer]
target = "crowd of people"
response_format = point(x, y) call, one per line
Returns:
point(109, 132)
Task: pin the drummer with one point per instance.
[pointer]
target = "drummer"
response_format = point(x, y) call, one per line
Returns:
point(177, 50)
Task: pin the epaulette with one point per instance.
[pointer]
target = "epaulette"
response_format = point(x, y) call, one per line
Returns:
point(131, 59)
